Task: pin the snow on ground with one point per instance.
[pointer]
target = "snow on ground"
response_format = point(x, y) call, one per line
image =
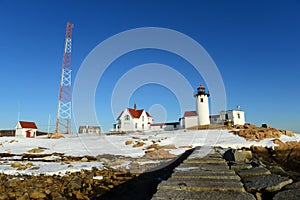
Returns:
point(48, 168)
point(93, 145)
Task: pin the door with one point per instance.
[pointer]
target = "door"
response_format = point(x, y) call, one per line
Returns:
point(28, 134)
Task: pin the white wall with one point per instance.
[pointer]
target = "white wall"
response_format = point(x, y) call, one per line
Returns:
point(238, 117)
point(190, 121)
point(202, 109)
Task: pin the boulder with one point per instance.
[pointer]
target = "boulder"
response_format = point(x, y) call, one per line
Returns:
point(287, 133)
point(36, 150)
point(157, 154)
point(16, 164)
point(295, 185)
point(266, 183)
point(12, 183)
point(37, 195)
point(138, 144)
point(84, 159)
point(75, 183)
point(288, 194)
point(242, 155)
point(229, 155)
point(128, 142)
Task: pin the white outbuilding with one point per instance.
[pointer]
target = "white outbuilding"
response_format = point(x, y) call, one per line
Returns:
point(234, 117)
point(26, 129)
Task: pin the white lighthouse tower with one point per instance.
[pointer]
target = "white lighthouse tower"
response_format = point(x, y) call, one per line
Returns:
point(202, 107)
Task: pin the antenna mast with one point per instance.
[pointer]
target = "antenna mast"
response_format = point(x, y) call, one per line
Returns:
point(63, 120)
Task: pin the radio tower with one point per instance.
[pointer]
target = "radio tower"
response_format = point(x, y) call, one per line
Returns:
point(63, 120)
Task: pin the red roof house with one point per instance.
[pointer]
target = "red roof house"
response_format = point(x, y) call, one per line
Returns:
point(26, 129)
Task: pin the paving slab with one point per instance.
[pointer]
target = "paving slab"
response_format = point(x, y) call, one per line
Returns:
point(191, 170)
point(215, 176)
point(211, 195)
point(240, 166)
point(203, 185)
point(257, 171)
point(206, 167)
point(205, 161)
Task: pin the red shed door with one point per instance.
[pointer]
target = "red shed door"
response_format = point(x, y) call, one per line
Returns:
point(28, 134)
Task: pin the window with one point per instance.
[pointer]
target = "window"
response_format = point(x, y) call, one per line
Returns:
point(201, 100)
point(143, 118)
point(143, 126)
point(239, 116)
point(126, 117)
point(135, 125)
point(215, 119)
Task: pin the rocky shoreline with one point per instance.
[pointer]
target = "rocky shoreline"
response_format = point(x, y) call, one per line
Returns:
point(267, 173)
point(262, 175)
point(78, 185)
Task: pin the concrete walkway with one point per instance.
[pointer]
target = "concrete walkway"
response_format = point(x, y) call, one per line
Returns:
point(203, 177)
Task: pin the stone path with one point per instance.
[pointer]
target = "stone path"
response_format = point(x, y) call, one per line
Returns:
point(199, 177)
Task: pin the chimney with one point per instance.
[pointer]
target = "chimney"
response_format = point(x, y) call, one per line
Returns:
point(134, 106)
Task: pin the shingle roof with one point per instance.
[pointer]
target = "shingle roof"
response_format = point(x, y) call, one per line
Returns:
point(135, 113)
point(148, 115)
point(190, 113)
point(28, 124)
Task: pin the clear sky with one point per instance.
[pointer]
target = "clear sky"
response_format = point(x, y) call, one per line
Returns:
point(255, 45)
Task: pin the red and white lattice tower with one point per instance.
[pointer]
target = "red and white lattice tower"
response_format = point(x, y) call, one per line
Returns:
point(63, 120)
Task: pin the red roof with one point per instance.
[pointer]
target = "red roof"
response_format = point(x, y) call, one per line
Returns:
point(190, 113)
point(148, 115)
point(28, 125)
point(135, 113)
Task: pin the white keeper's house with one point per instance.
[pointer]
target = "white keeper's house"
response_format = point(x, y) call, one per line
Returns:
point(133, 120)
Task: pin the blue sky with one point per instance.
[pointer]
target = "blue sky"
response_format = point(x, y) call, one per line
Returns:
point(255, 45)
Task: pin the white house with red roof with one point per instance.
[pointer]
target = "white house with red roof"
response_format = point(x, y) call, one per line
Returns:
point(26, 129)
point(133, 120)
